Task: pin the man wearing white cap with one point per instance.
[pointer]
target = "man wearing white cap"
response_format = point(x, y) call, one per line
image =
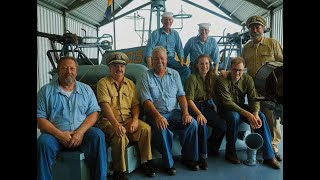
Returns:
point(256, 53)
point(203, 44)
point(170, 40)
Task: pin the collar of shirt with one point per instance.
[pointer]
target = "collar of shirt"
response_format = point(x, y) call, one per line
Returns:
point(58, 89)
point(163, 31)
point(202, 42)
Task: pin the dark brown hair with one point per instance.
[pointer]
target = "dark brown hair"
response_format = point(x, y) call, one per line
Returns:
point(209, 79)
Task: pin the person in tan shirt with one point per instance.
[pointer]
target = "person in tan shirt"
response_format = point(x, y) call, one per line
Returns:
point(119, 103)
point(256, 53)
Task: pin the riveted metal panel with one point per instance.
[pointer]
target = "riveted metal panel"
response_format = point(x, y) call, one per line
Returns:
point(48, 21)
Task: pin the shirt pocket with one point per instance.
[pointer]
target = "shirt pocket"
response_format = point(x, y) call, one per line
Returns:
point(171, 90)
point(127, 99)
point(114, 97)
point(82, 108)
point(155, 91)
point(267, 55)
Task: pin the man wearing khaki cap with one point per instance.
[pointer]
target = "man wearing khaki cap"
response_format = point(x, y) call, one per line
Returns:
point(119, 103)
point(203, 44)
point(256, 53)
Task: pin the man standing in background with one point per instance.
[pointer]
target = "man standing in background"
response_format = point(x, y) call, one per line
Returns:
point(256, 53)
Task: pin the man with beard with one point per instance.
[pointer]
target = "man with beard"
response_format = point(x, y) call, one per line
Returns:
point(170, 40)
point(119, 102)
point(161, 91)
point(203, 44)
point(256, 53)
point(66, 111)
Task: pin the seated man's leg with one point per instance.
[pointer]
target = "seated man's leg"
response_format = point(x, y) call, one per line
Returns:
point(268, 153)
point(233, 121)
point(118, 147)
point(47, 148)
point(264, 131)
point(202, 141)
point(188, 136)
point(143, 136)
point(183, 71)
point(162, 140)
point(94, 148)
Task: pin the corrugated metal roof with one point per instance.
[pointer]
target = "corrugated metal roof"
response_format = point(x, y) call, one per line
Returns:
point(92, 11)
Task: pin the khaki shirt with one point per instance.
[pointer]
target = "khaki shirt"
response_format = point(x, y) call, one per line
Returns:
point(195, 87)
point(257, 55)
point(121, 100)
point(232, 96)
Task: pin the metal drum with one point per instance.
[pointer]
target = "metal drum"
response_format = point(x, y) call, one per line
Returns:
point(269, 80)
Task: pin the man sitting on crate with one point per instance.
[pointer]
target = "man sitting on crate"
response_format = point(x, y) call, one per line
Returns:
point(119, 102)
point(66, 112)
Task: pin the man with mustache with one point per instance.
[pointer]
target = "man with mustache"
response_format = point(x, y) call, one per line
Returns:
point(119, 102)
point(161, 91)
point(67, 110)
point(256, 53)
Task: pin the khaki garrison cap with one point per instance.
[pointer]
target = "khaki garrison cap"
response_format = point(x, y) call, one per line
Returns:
point(255, 20)
point(117, 58)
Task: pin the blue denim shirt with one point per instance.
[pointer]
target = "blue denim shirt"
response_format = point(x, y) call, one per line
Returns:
point(195, 48)
point(171, 42)
point(67, 114)
point(162, 92)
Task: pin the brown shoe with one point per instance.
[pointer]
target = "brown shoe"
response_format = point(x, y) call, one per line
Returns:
point(232, 157)
point(272, 163)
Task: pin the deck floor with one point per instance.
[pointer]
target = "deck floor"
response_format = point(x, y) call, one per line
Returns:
point(219, 169)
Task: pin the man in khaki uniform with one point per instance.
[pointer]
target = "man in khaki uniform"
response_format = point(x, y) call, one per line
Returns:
point(256, 53)
point(118, 99)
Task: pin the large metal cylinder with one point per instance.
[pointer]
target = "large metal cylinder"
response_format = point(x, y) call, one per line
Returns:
point(269, 81)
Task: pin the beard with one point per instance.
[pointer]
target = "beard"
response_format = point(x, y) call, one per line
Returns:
point(256, 35)
point(69, 79)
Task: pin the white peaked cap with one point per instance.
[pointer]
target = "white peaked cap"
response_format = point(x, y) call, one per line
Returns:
point(167, 14)
point(204, 25)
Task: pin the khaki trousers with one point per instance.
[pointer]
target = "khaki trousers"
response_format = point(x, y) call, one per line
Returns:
point(274, 125)
point(118, 144)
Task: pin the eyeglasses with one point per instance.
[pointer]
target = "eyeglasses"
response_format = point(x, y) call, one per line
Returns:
point(237, 70)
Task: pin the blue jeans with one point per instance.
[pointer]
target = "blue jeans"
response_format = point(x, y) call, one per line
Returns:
point(183, 71)
point(217, 124)
point(233, 120)
point(93, 146)
point(188, 137)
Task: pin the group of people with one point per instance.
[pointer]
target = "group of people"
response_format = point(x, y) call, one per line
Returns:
point(173, 100)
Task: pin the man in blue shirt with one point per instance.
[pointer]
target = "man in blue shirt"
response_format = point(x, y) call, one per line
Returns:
point(161, 90)
point(170, 40)
point(66, 111)
point(203, 44)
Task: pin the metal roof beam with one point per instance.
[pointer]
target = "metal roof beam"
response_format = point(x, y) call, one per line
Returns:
point(77, 4)
point(233, 18)
point(260, 4)
point(106, 21)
